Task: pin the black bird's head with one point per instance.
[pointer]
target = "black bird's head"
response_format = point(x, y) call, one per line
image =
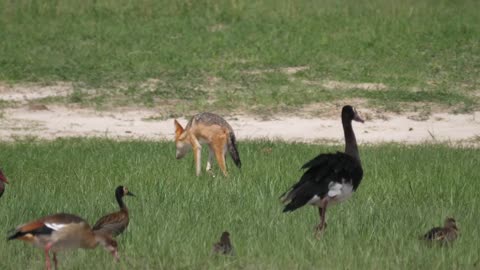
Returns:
point(349, 114)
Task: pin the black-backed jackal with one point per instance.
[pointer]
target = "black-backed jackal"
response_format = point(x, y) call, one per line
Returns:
point(211, 129)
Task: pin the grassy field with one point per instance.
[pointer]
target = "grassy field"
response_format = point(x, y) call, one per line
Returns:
point(235, 54)
point(176, 216)
point(244, 56)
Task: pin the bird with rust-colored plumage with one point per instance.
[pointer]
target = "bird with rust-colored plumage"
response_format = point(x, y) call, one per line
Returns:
point(62, 231)
point(115, 223)
point(3, 181)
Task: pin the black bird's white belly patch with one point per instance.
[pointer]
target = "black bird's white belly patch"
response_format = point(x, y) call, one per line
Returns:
point(337, 192)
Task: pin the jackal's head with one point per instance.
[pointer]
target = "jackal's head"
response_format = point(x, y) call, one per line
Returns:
point(181, 142)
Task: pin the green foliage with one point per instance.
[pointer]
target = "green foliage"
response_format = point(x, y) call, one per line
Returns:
point(176, 217)
point(430, 45)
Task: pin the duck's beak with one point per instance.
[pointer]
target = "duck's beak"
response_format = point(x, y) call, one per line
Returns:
point(130, 194)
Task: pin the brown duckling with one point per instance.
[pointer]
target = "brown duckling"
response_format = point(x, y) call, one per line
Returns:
point(224, 246)
point(446, 234)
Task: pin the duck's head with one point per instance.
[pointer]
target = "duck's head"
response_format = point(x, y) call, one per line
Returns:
point(108, 243)
point(225, 237)
point(121, 191)
point(450, 223)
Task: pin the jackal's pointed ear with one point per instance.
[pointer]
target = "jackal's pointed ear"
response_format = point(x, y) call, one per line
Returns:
point(178, 128)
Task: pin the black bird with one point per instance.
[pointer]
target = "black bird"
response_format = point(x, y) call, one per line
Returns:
point(3, 181)
point(224, 246)
point(444, 235)
point(330, 178)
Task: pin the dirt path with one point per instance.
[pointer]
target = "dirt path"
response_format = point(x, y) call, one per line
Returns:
point(60, 121)
point(23, 119)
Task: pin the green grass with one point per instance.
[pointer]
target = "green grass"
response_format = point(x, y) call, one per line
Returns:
point(116, 46)
point(176, 216)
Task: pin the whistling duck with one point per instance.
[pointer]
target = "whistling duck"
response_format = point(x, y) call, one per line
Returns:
point(224, 246)
point(62, 231)
point(115, 223)
point(330, 178)
point(446, 234)
point(3, 181)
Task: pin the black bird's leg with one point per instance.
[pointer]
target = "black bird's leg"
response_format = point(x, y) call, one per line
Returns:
point(322, 212)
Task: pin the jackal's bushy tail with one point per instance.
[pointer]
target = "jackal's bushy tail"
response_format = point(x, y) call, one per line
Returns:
point(232, 148)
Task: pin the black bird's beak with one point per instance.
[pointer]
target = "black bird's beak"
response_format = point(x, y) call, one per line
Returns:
point(358, 118)
point(130, 194)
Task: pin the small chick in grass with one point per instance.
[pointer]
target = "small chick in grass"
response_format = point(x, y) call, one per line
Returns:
point(444, 235)
point(224, 246)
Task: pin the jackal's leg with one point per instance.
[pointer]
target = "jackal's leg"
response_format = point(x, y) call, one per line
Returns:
point(225, 150)
point(219, 154)
point(197, 155)
point(210, 159)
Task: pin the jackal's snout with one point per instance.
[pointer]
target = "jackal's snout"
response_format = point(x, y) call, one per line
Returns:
point(181, 150)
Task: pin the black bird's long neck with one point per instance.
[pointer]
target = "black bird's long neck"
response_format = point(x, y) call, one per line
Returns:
point(351, 147)
point(120, 201)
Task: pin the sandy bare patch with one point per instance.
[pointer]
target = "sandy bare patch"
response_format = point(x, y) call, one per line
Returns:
point(60, 121)
point(331, 110)
point(337, 85)
point(28, 92)
point(293, 70)
point(450, 128)
point(285, 70)
point(217, 27)
point(150, 84)
point(317, 122)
